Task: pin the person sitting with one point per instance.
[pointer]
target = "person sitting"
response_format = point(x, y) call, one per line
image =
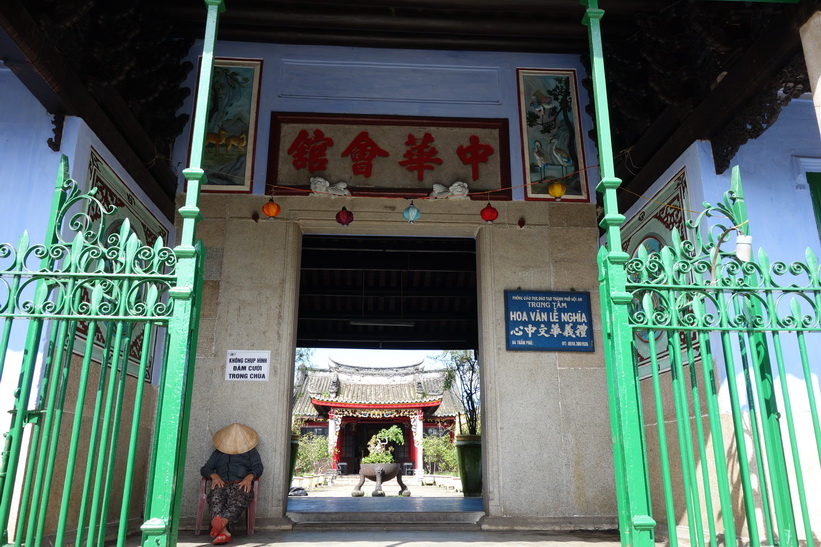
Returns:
point(232, 468)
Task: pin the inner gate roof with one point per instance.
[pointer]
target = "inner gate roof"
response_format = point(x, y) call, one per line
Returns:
point(385, 386)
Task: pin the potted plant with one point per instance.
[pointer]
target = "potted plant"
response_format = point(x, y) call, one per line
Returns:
point(463, 373)
point(379, 464)
point(313, 457)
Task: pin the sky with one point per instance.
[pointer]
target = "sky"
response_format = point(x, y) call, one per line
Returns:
point(373, 357)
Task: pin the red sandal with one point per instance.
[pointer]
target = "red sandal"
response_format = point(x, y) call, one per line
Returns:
point(216, 526)
point(222, 539)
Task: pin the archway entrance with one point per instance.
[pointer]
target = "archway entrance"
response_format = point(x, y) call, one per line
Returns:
point(372, 293)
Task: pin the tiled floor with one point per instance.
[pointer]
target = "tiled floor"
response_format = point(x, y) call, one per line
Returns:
point(392, 504)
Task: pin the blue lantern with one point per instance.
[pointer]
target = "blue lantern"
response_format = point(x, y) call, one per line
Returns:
point(411, 213)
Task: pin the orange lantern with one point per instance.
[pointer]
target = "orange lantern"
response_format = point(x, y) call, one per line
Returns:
point(557, 189)
point(271, 209)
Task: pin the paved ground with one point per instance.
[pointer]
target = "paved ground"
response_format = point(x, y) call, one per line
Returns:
point(377, 536)
point(343, 487)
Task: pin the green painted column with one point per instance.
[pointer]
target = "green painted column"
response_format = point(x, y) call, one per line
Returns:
point(636, 524)
point(171, 430)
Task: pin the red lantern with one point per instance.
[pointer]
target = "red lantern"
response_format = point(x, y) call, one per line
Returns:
point(489, 213)
point(271, 209)
point(344, 217)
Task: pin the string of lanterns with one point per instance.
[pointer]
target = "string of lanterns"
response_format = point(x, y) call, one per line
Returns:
point(556, 189)
point(489, 213)
point(271, 209)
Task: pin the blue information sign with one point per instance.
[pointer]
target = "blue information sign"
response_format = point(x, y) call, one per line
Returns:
point(548, 321)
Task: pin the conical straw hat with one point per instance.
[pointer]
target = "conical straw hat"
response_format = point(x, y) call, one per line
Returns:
point(235, 439)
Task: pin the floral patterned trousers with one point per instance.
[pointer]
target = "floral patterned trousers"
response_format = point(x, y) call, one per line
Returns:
point(229, 501)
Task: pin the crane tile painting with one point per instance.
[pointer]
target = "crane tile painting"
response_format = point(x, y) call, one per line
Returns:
point(551, 135)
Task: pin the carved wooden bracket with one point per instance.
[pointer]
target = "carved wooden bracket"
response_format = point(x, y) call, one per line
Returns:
point(760, 113)
point(57, 121)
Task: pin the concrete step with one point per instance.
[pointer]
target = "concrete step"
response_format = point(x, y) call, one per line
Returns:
point(386, 527)
point(466, 520)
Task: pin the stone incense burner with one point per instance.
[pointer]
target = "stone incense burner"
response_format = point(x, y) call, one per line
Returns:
point(380, 472)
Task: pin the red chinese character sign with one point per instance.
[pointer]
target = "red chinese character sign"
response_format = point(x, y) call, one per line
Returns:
point(378, 155)
point(551, 133)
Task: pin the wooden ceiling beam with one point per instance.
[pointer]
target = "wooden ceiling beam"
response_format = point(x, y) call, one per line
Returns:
point(399, 262)
point(371, 343)
point(765, 58)
point(381, 27)
point(41, 68)
point(388, 244)
point(546, 7)
point(444, 317)
point(386, 292)
point(325, 339)
point(402, 41)
point(465, 25)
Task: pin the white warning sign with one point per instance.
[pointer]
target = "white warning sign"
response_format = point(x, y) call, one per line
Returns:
point(247, 365)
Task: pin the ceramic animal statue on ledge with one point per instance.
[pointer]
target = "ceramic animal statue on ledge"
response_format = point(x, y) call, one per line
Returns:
point(321, 187)
point(457, 190)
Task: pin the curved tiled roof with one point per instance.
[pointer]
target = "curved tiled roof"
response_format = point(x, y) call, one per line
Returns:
point(351, 385)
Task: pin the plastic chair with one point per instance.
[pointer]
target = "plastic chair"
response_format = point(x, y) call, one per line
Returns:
point(250, 511)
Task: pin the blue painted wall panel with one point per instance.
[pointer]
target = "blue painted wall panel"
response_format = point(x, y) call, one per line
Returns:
point(28, 168)
point(776, 194)
point(344, 80)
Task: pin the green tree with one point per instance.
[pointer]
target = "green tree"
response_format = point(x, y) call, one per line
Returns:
point(303, 358)
point(439, 452)
point(313, 456)
point(302, 362)
point(379, 450)
point(463, 373)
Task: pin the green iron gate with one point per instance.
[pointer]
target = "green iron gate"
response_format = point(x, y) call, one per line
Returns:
point(106, 292)
point(717, 327)
point(79, 482)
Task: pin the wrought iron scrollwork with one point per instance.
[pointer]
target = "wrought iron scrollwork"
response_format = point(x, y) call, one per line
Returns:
point(695, 284)
point(86, 256)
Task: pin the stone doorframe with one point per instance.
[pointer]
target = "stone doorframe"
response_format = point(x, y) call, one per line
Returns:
point(250, 302)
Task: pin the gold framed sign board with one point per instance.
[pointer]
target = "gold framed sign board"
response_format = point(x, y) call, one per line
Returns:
point(388, 155)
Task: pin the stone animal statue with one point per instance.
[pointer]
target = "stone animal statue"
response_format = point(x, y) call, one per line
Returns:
point(321, 187)
point(457, 190)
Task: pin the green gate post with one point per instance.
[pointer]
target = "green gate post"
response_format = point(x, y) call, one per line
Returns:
point(632, 487)
point(171, 433)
